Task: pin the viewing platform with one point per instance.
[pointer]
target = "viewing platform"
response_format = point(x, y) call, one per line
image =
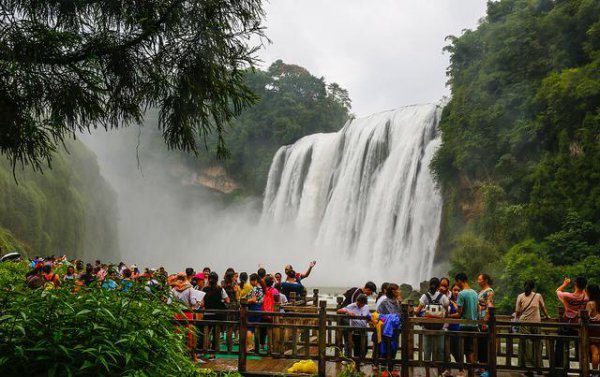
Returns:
point(306, 329)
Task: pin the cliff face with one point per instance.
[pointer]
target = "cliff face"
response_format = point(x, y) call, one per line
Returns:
point(68, 209)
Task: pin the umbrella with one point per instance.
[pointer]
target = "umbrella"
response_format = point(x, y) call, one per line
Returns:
point(10, 256)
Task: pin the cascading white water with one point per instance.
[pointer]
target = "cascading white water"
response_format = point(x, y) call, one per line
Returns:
point(365, 193)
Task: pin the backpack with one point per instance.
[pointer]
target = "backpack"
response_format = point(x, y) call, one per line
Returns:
point(269, 300)
point(434, 309)
point(350, 296)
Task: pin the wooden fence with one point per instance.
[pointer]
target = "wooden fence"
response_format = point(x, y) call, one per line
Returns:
point(308, 329)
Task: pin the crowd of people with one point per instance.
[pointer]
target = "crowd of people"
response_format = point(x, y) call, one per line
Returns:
point(443, 299)
point(193, 289)
point(458, 300)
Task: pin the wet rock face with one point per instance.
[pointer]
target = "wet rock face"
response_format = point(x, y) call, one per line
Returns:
point(216, 178)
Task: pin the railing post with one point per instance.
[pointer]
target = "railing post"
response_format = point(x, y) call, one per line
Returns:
point(277, 302)
point(316, 297)
point(492, 341)
point(243, 335)
point(560, 360)
point(338, 333)
point(322, 338)
point(292, 297)
point(411, 307)
point(411, 339)
point(584, 343)
point(273, 333)
point(404, 339)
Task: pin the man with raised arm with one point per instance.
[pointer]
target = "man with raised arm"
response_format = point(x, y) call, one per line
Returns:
point(573, 304)
point(299, 276)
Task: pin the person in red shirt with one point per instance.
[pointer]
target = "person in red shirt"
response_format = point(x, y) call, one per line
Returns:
point(48, 276)
point(573, 302)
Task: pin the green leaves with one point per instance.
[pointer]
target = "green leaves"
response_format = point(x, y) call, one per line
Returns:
point(65, 69)
point(70, 208)
point(83, 312)
point(520, 156)
point(83, 333)
point(293, 103)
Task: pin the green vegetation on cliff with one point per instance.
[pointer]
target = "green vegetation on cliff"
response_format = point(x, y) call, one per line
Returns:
point(520, 159)
point(293, 103)
point(69, 209)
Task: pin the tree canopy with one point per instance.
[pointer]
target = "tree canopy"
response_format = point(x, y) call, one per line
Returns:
point(293, 103)
point(520, 158)
point(67, 66)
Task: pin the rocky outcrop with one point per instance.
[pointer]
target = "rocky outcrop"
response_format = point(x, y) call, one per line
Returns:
point(215, 178)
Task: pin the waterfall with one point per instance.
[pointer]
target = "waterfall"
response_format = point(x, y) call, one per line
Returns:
point(365, 194)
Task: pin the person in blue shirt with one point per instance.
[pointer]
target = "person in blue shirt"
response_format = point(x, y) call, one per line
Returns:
point(126, 283)
point(291, 284)
point(109, 282)
point(466, 302)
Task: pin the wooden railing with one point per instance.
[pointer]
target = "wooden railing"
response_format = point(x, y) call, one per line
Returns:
point(307, 329)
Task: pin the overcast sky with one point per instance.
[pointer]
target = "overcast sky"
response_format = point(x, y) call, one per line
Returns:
point(387, 53)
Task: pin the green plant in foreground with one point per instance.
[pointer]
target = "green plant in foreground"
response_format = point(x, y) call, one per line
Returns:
point(92, 332)
point(12, 274)
point(350, 370)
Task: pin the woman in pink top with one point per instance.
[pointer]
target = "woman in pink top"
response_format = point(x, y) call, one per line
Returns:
point(573, 303)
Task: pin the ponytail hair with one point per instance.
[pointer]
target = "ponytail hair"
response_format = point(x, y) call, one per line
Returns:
point(594, 293)
point(528, 287)
point(487, 278)
point(434, 285)
point(213, 280)
point(384, 288)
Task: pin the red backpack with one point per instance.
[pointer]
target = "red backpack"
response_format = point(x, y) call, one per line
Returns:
point(269, 300)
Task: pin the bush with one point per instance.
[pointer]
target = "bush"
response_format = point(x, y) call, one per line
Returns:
point(474, 255)
point(12, 273)
point(90, 332)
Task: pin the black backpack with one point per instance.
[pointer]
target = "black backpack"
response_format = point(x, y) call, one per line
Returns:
point(350, 296)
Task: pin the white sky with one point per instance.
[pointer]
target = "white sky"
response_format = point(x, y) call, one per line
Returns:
point(387, 53)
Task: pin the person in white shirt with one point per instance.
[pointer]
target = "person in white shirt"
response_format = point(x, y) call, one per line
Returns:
point(433, 304)
point(359, 338)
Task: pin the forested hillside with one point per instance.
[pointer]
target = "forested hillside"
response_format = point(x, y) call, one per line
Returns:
point(69, 209)
point(292, 103)
point(520, 160)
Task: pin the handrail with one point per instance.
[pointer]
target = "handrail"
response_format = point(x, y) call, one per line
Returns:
point(300, 335)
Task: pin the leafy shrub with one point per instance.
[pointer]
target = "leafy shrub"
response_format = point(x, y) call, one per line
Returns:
point(12, 274)
point(91, 332)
